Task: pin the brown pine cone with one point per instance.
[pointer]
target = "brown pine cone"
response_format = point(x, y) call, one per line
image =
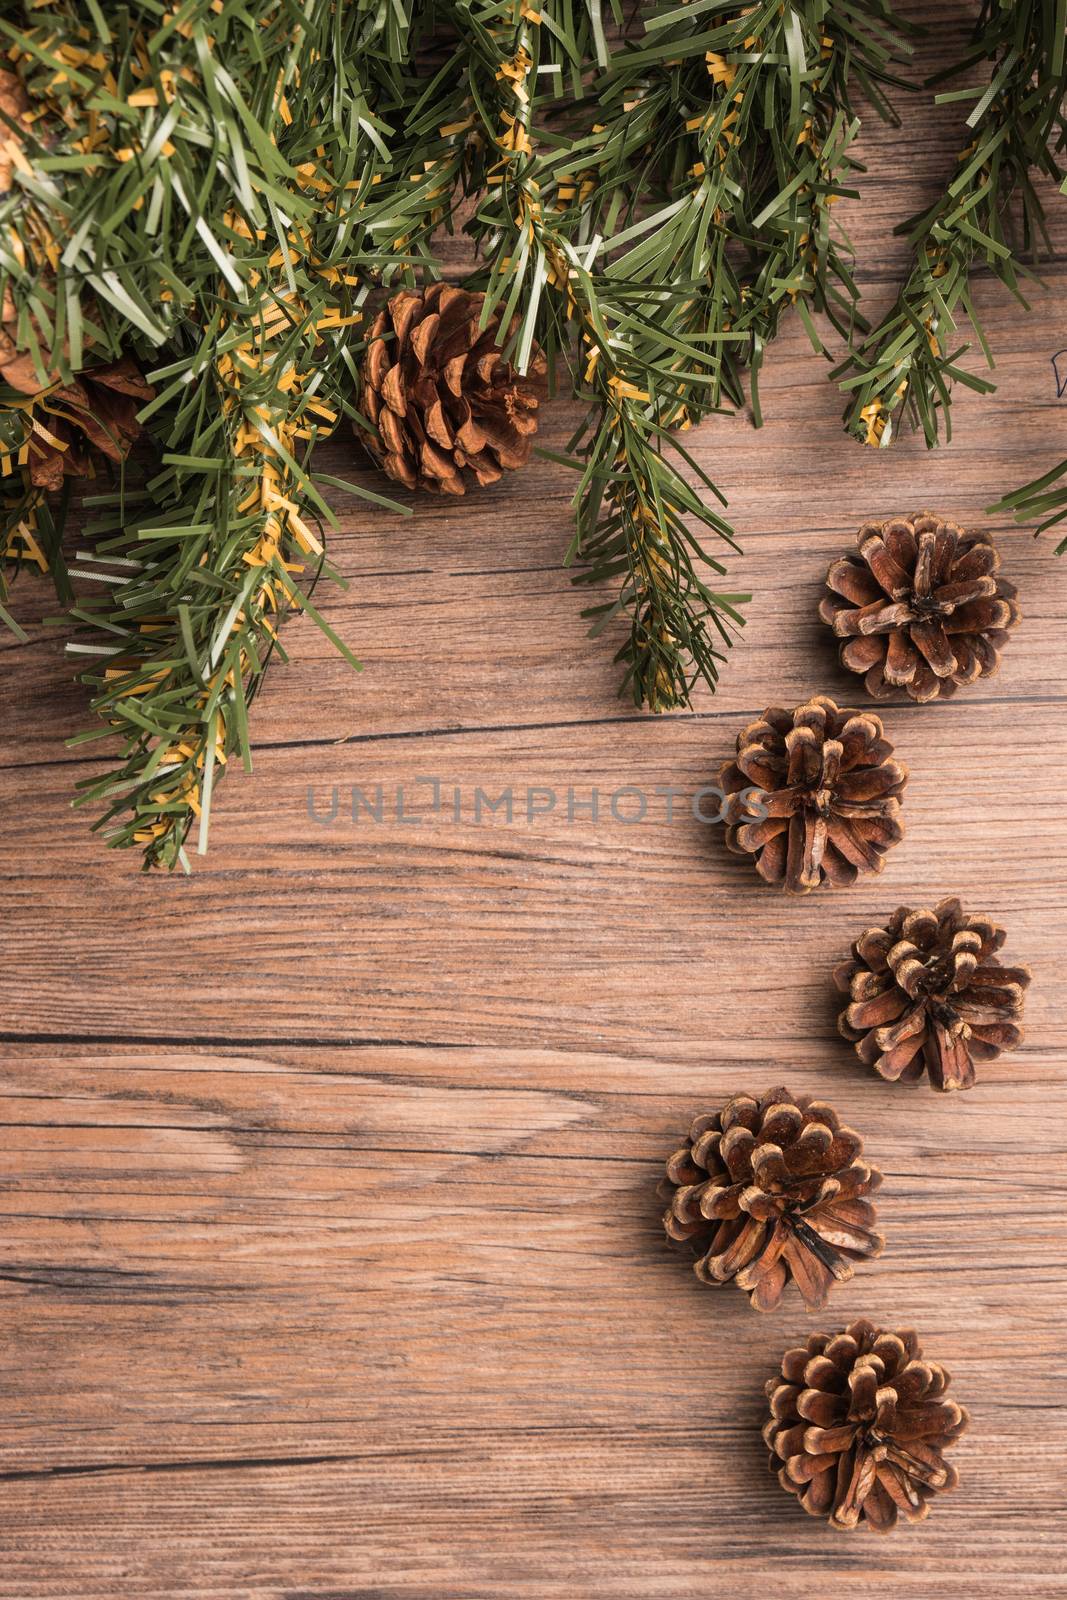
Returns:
point(772, 1189)
point(858, 1425)
point(69, 424)
point(920, 607)
point(813, 795)
point(14, 103)
point(73, 423)
point(447, 406)
point(928, 993)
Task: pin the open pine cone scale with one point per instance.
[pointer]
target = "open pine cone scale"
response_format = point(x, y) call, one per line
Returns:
point(72, 425)
point(772, 1189)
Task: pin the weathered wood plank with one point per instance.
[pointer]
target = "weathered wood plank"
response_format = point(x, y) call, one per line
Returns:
point(330, 1265)
point(466, 1243)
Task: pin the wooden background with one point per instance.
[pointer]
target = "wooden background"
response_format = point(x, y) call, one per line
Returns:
point(330, 1266)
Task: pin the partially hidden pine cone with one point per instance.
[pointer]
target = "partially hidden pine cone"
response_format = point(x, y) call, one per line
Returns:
point(447, 407)
point(813, 795)
point(14, 103)
point(927, 993)
point(71, 425)
point(68, 425)
point(858, 1426)
point(770, 1190)
point(920, 606)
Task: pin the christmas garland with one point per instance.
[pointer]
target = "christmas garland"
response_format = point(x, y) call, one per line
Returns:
point(202, 204)
point(214, 191)
point(611, 231)
point(908, 365)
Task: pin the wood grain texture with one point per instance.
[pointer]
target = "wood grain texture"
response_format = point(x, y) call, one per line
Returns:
point(330, 1261)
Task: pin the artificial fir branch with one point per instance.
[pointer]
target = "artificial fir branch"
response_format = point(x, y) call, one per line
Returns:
point(245, 195)
point(652, 234)
point(631, 501)
point(1045, 498)
point(907, 366)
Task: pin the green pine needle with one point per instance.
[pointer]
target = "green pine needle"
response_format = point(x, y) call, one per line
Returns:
point(906, 367)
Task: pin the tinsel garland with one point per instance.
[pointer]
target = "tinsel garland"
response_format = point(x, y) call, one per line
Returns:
point(219, 189)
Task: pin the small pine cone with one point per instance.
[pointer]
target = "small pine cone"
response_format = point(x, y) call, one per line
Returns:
point(920, 607)
point(813, 795)
point(772, 1189)
point(928, 993)
point(858, 1425)
point(444, 401)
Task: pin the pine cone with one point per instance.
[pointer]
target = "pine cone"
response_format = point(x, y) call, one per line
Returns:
point(927, 993)
point(772, 1189)
point(812, 794)
point(920, 607)
point(858, 1424)
point(444, 400)
point(95, 415)
point(14, 103)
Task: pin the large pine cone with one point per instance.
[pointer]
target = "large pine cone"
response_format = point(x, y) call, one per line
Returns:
point(928, 994)
point(857, 1427)
point(813, 795)
point(772, 1189)
point(920, 607)
point(446, 405)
